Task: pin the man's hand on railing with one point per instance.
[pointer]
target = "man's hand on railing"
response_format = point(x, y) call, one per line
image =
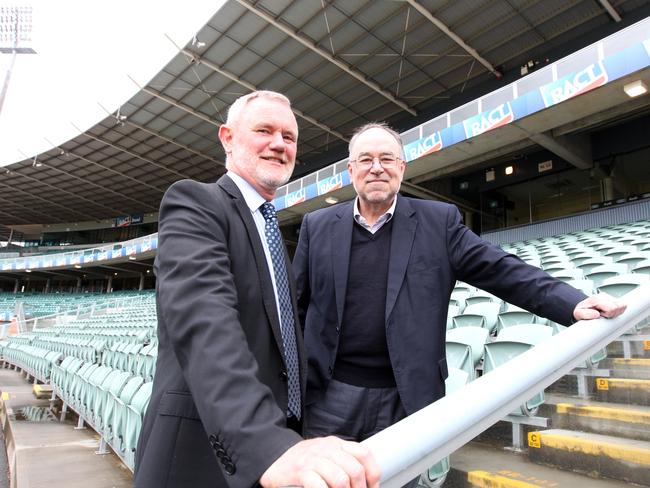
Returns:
point(324, 462)
point(596, 306)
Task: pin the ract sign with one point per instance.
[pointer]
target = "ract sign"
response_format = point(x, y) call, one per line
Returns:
point(489, 120)
point(330, 184)
point(573, 85)
point(421, 147)
point(295, 197)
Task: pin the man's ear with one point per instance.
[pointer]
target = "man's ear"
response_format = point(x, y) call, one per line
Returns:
point(225, 136)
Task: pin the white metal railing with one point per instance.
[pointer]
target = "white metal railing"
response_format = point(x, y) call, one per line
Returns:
point(90, 309)
point(105, 252)
point(412, 445)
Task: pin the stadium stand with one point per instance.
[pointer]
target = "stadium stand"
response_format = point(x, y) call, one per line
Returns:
point(100, 363)
point(517, 149)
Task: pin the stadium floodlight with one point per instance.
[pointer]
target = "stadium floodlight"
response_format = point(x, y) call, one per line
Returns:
point(15, 38)
point(16, 30)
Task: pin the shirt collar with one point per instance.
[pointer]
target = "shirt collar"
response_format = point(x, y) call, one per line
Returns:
point(253, 199)
point(360, 219)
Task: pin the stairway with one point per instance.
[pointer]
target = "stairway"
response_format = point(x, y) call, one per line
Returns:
point(603, 440)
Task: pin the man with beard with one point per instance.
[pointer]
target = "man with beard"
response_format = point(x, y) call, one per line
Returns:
point(227, 403)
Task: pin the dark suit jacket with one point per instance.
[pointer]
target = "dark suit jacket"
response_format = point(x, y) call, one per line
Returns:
point(217, 411)
point(430, 249)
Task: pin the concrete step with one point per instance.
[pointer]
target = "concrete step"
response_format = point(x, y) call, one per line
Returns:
point(628, 421)
point(51, 453)
point(593, 454)
point(638, 348)
point(481, 465)
point(634, 368)
point(623, 390)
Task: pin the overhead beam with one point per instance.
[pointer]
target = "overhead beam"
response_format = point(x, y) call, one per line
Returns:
point(610, 10)
point(120, 194)
point(13, 189)
point(69, 193)
point(198, 59)
point(325, 55)
point(175, 143)
point(575, 149)
point(427, 194)
point(110, 170)
point(134, 155)
point(454, 37)
point(467, 162)
point(171, 101)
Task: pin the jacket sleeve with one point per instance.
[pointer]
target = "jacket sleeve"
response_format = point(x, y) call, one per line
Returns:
point(488, 267)
point(199, 308)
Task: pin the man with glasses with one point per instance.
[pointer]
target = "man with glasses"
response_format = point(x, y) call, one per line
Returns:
point(374, 277)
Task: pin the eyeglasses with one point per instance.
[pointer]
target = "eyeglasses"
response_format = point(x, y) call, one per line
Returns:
point(366, 162)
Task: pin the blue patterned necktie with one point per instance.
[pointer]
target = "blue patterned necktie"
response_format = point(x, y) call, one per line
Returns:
point(287, 321)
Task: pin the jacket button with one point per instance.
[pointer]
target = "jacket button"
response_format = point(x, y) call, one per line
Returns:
point(229, 468)
point(212, 438)
point(220, 452)
point(283, 375)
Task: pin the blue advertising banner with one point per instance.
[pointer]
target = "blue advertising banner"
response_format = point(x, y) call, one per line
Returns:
point(330, 184)
point(574, 84)
point(483, 122)
point(424, 146)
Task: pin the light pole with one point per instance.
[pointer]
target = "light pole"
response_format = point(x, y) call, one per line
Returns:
point(15, 36)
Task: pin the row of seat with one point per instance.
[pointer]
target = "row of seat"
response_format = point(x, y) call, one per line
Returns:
point(484, 332)
point(36, 361)
point(110, 400)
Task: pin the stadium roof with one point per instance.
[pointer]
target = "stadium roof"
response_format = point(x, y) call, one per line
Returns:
point(341, 63)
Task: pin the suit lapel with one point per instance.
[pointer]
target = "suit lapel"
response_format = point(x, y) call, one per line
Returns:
point(341, 232)
point(263, 272)
point(401, 242)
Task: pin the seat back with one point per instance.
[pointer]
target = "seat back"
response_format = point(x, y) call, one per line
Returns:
point(460, 356)
point(531, 334)
point(475, 337)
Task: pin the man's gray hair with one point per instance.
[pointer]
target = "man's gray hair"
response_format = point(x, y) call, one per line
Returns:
point(376, 125)
point(236, 109)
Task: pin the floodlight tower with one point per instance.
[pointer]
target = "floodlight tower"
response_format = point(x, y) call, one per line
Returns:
point(15, 37)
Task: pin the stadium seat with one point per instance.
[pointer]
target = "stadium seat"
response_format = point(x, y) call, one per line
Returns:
point(583, 257)
point(532, 334)
point(633, 258)
point(619, 250)
point(114, 410)
point(511, 342)
point(642, 268)
point(481, 296)
point(472, 337)
point(459, 355)
point(132, 422)
point(480, 315)
point(112, 384)
point(452, 311)
point(620, 285)
point(602, 272)
point(514, 317)
point(568, 274)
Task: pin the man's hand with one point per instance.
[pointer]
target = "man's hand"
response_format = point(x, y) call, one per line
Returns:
point(324, 462)
point(601, 305)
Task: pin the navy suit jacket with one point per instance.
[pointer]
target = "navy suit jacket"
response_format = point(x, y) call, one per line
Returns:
point(217, 415)
point(430, 249)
